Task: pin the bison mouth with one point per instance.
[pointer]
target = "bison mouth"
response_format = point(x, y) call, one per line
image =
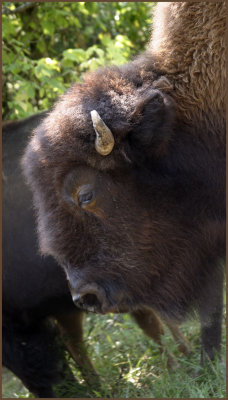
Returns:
point(92, 297)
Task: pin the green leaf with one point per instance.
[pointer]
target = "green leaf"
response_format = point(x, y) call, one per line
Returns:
point(76, 55)
point(46, 67)
point(7, 29)
point(57, 86)
point(48, 27)
point(41, 46)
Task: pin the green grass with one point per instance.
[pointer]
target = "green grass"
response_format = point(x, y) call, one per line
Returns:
point(130, 365)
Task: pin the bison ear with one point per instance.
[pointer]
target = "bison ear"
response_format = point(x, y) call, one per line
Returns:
point(153, 101)
point(152, 123)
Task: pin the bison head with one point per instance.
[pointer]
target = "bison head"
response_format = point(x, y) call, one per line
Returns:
point(113, 224)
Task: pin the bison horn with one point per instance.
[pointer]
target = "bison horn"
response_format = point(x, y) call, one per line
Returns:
point(104, 142)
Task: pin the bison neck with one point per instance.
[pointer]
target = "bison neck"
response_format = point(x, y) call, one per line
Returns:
point(188, 47)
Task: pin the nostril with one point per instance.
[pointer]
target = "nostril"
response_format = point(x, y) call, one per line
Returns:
point(90, 297)
point(91, 300)
point(88, 301)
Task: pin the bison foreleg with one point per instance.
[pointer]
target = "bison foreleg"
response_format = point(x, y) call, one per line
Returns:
point(70, 326)
point(211, 311)
point(152, 326)
point(183, 344)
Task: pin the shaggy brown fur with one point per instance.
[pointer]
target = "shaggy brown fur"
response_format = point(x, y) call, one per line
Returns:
point(150, 231)
point(188, 44)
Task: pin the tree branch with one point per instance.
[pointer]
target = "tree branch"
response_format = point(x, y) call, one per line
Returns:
point(19, 9)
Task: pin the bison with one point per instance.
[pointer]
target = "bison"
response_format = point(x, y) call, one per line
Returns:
point(127, 175)
point(35, 290)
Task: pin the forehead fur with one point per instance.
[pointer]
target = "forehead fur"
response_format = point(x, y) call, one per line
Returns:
point(67, 134)
point(107, 91)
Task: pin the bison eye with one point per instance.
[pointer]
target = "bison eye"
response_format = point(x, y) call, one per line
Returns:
point(85, 195)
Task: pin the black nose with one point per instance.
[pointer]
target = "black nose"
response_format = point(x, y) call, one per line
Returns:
point(91, 297)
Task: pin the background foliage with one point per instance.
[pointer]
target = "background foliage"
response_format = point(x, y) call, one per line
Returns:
point(47, 46)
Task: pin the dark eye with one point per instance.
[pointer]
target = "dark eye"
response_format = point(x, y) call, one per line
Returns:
point(85, 196)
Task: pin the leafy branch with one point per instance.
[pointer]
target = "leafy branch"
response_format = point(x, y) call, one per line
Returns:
point(20, 9)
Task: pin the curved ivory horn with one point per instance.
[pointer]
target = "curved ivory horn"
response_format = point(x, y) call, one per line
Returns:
point(104, 142)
